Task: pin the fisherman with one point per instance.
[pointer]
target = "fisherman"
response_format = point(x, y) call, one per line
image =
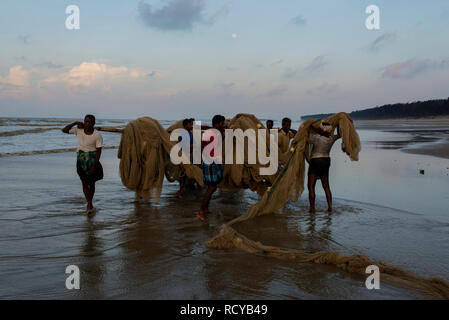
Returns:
point(320, 162)
point(212, 169)
point(269, 124)
point(188, 126)
point(285, 135)
point(88, 164)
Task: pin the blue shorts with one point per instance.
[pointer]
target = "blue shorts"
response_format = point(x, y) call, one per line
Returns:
point(212, 174)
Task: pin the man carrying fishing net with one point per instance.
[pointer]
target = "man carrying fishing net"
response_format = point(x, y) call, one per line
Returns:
point(320, 161)
point(212, 168)
point(88, 164)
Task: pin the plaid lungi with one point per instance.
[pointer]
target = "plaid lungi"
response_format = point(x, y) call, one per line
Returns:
point(212, 174)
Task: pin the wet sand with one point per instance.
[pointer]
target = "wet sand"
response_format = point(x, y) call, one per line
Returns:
point(427, 136)
point(384, 209)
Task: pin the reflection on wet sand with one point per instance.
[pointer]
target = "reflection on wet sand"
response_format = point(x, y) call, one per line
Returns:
point(157, 251)
point(93, 267)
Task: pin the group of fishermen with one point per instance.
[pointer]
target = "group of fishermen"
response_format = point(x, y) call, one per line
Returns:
point(90, 143)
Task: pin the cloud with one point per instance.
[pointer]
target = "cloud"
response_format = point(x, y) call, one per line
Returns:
point(316, 65)
point(299, 20)
point(276, 91)
point(279, 61)
point(412, 68)
point(323, 89)
point(49, 65)
point(24, 38)
point(89, 73)
point(226, 85)
point(381, 41)
point(16, 77)
point(223, 11)
point(178, 14)
point(153, 74)
point(231, 69)
point(15, 83)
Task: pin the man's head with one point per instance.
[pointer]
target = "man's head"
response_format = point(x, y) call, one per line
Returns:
point(270, 124)
point(286, 124)
point(89, 121)
point(218, 122)
point(188, 124)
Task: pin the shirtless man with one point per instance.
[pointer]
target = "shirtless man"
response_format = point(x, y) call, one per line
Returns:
point(212, 172)
point(320, 162)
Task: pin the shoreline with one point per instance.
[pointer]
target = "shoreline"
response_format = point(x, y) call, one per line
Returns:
point(432, 126)
point(439, 150)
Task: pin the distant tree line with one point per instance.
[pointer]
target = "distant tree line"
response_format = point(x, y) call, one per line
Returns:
point(418, 109)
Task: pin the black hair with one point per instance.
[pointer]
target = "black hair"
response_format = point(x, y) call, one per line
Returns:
point(270, 121)
point(217, 119)
point(286, 120)
point(91, 116)
point(187, 121)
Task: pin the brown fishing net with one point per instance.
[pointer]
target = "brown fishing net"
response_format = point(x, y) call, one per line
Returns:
point(144, 151)
point(144, 159)
point(246, 175)
point(289, 185)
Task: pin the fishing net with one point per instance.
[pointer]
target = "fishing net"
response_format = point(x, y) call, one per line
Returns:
point(144, 159)
point(144, 153)
point(289, 185)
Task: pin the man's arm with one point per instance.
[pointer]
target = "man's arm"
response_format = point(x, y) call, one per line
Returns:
point(338, 135)
point(294, 131)
point(67, 128)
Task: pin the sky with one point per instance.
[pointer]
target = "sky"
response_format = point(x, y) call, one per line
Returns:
point(172, 59)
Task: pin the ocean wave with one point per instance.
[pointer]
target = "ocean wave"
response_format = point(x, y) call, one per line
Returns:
point(31, 153)
point(24, 131)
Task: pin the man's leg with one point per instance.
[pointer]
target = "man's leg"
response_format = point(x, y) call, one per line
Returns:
point(86, 192)
point(91, 187)
point(182, 182)
point(327, 190)
point(311, 181)
point(205, 203)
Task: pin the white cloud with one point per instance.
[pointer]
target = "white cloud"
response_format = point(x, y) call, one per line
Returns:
point(412, 68)
point(16, 77)
point(90, 73)
point(15, 83)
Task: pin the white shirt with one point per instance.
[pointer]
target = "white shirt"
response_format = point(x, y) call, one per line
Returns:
point(87, 142)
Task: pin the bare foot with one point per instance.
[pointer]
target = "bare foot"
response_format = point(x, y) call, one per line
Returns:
point(329, 209)
point(89, 206)
point(91, 212)
point(312, 210)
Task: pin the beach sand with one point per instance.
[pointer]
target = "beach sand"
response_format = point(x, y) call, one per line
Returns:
point(428, 136)
point(384, 208)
